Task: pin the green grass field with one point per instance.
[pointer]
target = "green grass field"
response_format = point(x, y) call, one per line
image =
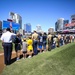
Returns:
point(60, 61)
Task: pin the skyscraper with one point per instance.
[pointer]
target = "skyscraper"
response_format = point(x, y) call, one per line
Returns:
point(16, 18)
point(60, 23)
point(65, 22)
point(27, 28)
point(56, 26)
point(73, 18)
point(51, 30)
point(38, 28)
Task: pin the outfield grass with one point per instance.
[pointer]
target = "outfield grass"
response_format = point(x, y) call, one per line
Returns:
point(60, 61)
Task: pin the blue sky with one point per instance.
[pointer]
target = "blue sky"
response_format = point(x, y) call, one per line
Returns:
point(42, 12)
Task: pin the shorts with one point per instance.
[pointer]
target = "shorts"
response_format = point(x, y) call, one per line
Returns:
point(30, 50)
point(44, 46)
point(40, 47)
point(24, 52)
point(17, 47)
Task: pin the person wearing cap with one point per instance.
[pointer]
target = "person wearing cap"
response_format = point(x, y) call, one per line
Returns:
point(7, 46)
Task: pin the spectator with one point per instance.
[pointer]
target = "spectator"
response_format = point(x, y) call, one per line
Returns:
point(7, 46)
point(30, 47)
point(49, 37)
point(40, 42)
point(24, 48)
point(35, 42)
point(59, 38)
point(44, 41)
point(18, 45)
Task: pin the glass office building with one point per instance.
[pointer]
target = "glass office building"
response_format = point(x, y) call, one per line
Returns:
point(16, 18)
point(65, 22)
point(73, 18)
point(27, 28)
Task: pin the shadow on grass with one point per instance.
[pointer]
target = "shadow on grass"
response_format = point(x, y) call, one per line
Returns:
point(14, 59)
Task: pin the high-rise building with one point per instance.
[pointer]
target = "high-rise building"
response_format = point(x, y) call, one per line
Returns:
point(27, 28)
point(38, 28)
point(73, 18)
point(60, 23)
point(56, 26)
point(65, 22)
point(51, 30)
point(16, 18)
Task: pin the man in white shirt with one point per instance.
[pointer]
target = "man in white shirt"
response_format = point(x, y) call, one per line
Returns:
point(7, 46)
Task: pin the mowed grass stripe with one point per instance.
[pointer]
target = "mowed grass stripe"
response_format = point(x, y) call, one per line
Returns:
point(59, 61)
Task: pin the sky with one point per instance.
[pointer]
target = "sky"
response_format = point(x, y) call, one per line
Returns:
point(38, 12)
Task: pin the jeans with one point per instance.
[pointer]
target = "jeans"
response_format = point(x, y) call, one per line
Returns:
point(35, 47)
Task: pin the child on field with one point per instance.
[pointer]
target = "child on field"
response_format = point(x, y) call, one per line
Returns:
point(24, 48)
point(30, 47)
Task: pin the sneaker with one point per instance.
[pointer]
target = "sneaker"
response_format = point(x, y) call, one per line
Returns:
point(43, 51)
point(29, 56)
point(17, 59)
point(23, 58)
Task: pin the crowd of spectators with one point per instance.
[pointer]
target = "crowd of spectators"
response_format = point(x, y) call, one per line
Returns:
point(42, 42)
point(33, 44)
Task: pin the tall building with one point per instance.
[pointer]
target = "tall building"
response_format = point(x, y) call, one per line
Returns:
point(56, 26)
point(65, 23)
point(27, 28)
point(16, 18)
point(38, 28)
point(73, 18)
point(60, 23)
point(51, 30)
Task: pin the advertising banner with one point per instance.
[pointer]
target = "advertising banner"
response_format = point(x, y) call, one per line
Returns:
point(11, 25)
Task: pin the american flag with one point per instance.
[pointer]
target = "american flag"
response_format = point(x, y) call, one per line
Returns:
point(10, 26)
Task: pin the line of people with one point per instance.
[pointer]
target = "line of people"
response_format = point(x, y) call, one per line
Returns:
point(43, 42)
point(32, 45)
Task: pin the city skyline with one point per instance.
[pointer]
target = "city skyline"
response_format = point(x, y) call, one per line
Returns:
point(42, 12)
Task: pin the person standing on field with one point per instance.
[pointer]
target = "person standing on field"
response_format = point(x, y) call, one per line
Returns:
point(7, 46)
point(24, 48)
point(18, 44)
point(49, 39)
point(35, 42)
